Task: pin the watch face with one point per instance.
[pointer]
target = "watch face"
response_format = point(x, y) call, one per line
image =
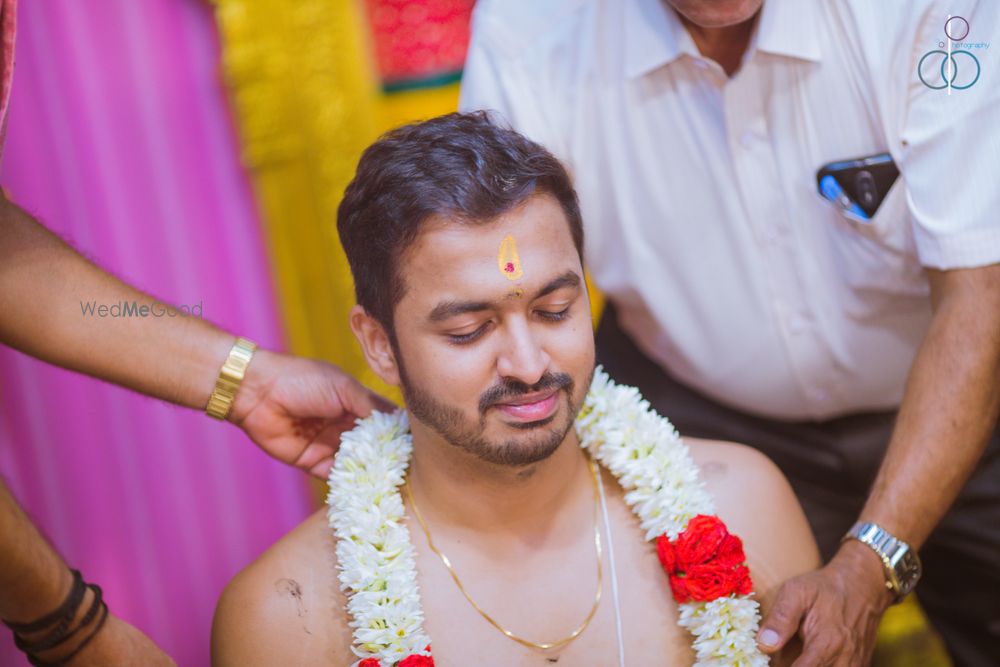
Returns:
point(908, 572)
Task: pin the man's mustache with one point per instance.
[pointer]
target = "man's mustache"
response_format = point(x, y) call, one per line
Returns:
point(510, 388)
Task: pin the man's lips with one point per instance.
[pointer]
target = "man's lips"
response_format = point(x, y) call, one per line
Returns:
point(530, 408)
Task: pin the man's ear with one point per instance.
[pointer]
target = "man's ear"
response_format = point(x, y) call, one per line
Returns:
point(375, 344)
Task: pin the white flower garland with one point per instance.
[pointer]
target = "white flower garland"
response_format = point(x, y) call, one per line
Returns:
point(377, 560)
point(644, 451)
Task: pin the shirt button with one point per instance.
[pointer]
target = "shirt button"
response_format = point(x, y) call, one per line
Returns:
point(819, 395)
point(797, 324)
point(747, 139)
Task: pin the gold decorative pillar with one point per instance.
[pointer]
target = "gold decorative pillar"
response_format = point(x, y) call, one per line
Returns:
point(305, 97)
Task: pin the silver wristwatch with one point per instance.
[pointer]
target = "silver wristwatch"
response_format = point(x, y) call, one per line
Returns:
point(901, 564)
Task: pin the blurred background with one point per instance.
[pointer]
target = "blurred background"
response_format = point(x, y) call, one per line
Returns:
point(198, 150)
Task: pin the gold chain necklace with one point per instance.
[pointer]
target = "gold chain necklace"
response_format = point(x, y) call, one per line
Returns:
point(521, 640)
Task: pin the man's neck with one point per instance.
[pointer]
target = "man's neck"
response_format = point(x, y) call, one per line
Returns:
point(458, 489)
point(726, 45)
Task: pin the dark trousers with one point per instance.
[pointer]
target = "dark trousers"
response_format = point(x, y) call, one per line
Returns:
point(831, 465)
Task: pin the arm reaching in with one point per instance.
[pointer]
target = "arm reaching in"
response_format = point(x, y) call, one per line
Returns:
point(34, 581)
point(294, 409)
point(949, 409)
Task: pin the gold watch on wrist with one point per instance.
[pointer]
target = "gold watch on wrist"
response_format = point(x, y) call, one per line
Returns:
point(901, 563)
point(230, 378)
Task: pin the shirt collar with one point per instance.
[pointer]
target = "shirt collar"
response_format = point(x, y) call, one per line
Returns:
point(654, 36)
point(789, 28)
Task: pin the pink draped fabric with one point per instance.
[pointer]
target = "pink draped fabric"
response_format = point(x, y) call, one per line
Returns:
point(119, 139)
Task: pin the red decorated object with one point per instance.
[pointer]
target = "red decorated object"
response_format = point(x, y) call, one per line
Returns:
point(419, 42)
point(417, 661)
point(8, 28)
point(706, 562)
point(408, 661)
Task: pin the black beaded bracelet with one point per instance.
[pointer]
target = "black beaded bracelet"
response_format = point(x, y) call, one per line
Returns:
point(60, 634)
point(63, 615)
point(62, 620)
point(62, 662)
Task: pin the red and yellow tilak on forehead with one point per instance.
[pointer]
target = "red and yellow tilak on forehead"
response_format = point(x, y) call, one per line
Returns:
point(508, 261)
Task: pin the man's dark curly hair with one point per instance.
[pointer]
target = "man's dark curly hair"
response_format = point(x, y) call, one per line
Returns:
point(463, 167)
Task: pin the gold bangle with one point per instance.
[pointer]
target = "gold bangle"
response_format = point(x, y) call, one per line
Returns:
point(230, 378)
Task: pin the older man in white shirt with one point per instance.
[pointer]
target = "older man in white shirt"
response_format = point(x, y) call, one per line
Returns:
point(694, 130)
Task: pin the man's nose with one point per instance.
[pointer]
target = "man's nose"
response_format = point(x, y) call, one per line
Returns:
point(522, 358)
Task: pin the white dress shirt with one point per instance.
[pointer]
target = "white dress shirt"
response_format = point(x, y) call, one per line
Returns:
point(702, 219)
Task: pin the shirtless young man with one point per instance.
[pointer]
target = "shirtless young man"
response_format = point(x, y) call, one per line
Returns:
point(494, 368)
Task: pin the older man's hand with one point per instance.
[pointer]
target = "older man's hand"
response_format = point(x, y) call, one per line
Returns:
point(835, 610)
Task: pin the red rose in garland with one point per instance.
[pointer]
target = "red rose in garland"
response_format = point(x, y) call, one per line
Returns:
point(665, 552)
point(700, 541)
point(705, 562)
point(731, 551)
point(408, 661)
point(678, 586)
point(711, 581)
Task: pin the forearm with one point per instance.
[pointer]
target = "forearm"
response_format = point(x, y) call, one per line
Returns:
point(947, 415)
point(44, 288)
point(34, 580)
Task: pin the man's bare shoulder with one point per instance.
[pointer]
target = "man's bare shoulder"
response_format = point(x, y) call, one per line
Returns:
point(286, 607)
point(755, 500)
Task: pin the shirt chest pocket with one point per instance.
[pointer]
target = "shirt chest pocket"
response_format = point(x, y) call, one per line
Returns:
point(876, 259)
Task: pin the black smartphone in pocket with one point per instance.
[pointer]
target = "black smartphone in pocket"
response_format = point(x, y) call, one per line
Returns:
point(858, 186)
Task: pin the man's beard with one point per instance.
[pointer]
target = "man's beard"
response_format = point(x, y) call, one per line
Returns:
point(450, 423)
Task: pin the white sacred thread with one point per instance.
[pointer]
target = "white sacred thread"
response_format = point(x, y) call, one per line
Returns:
point(614, 571)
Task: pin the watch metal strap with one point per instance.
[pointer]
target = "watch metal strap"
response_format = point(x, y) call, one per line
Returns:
point(230, 378)
point(894, 553)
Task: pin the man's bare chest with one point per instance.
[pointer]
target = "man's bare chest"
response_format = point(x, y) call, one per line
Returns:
point(545, 599)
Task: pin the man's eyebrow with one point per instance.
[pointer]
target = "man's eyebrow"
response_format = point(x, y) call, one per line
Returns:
point(568, 279)
point(449, 309)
